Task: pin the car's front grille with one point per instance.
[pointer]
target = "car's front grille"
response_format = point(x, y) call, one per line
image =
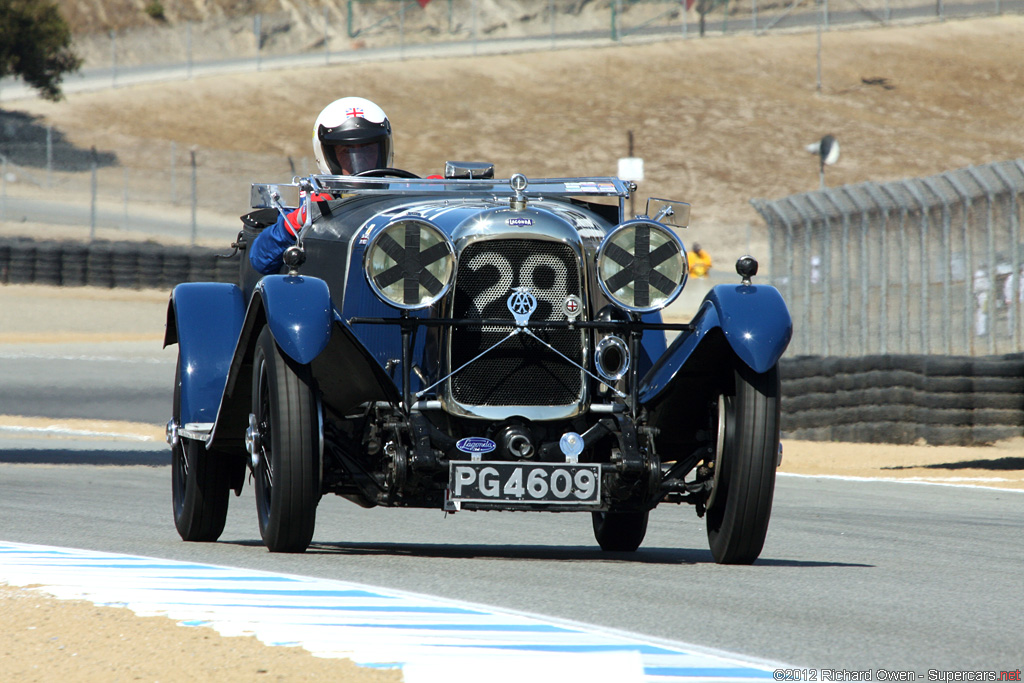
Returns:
point(520, 371)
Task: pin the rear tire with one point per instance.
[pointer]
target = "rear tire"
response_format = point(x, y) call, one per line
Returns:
point(200, 484)
point(287, 474)
point(740, 502)
point(620, 531)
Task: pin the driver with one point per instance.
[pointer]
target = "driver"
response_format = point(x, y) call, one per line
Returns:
point(350, 136)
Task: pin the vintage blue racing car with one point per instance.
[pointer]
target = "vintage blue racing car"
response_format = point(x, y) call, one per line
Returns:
point(470, 343)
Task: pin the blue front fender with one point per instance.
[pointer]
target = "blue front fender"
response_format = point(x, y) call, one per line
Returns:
point(754, 320)
point(204, 319)
point(298, 311)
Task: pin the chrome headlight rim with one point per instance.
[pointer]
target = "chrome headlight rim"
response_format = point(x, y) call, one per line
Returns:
point(669, 238)
point(381, 258)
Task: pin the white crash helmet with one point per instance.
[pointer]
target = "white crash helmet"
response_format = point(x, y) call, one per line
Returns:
point(352, 135)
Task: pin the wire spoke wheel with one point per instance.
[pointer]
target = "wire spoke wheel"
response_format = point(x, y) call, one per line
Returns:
point(740, 502)
point(287, 472)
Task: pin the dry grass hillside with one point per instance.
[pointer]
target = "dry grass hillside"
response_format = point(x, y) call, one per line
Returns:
point(717, 120)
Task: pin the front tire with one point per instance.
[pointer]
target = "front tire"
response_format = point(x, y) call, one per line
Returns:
point(200, 484)
point(740, 502)
point(620, 531)
point(287, 473)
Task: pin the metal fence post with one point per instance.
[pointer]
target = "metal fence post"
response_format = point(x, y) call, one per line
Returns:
point(845, 273)
point(946, 248)
point(808, 227)
point(327, 38)
point(1013, 296)
point(883, 260)
point(821, 19)
point(826, 274)
point(923, 233)
point(124, 174)
point(194, 197)
point(551, 11)
point(965, 198)
point(113, 59)
point(49, 155)
point(257, 31)
point(174, 174)
point(92, 196)
point(904, 272)
point(3, 187)
point(991, 248)
point(788, 250)
point(474, 27)
point(864, 211)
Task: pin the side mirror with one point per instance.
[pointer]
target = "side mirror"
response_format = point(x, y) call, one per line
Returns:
point(262, 196)
point(668, 212)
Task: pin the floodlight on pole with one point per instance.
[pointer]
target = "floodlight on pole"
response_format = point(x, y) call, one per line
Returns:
point(827, 150)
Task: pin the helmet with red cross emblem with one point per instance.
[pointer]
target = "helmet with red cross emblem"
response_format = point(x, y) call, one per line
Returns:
point(352, 135)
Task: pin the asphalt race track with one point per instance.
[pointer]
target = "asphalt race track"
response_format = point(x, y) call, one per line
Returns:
point(854, 575)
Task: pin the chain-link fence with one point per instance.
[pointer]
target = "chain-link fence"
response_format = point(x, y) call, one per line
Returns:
point(156, 190)
point(924, 266)
point(342, 30)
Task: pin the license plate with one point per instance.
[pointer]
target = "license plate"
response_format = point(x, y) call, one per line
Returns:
point(547, 483)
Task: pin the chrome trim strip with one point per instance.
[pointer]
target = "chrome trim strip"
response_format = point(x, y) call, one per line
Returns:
point(607, 407)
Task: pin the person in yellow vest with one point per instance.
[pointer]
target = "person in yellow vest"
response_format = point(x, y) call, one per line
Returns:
point(699, 261)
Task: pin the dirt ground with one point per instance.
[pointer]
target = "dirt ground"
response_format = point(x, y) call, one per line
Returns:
point(718, 121)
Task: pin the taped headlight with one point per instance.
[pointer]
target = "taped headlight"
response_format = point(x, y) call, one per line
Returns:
point(409, 263)
point(641, 266)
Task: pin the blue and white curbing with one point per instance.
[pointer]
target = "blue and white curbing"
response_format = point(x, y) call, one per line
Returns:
point(430, 639)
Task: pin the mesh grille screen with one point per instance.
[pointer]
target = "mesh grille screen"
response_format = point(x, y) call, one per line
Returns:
point(520, 371)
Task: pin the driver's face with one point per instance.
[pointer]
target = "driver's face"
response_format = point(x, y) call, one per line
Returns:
point(357, 158)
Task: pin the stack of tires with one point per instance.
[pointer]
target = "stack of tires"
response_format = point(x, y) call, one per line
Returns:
point(942, 400)
point(108, 264)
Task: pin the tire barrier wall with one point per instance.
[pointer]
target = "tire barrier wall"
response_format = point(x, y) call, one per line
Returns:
point(137, 265)
point(949, 400)
point(941, 400)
